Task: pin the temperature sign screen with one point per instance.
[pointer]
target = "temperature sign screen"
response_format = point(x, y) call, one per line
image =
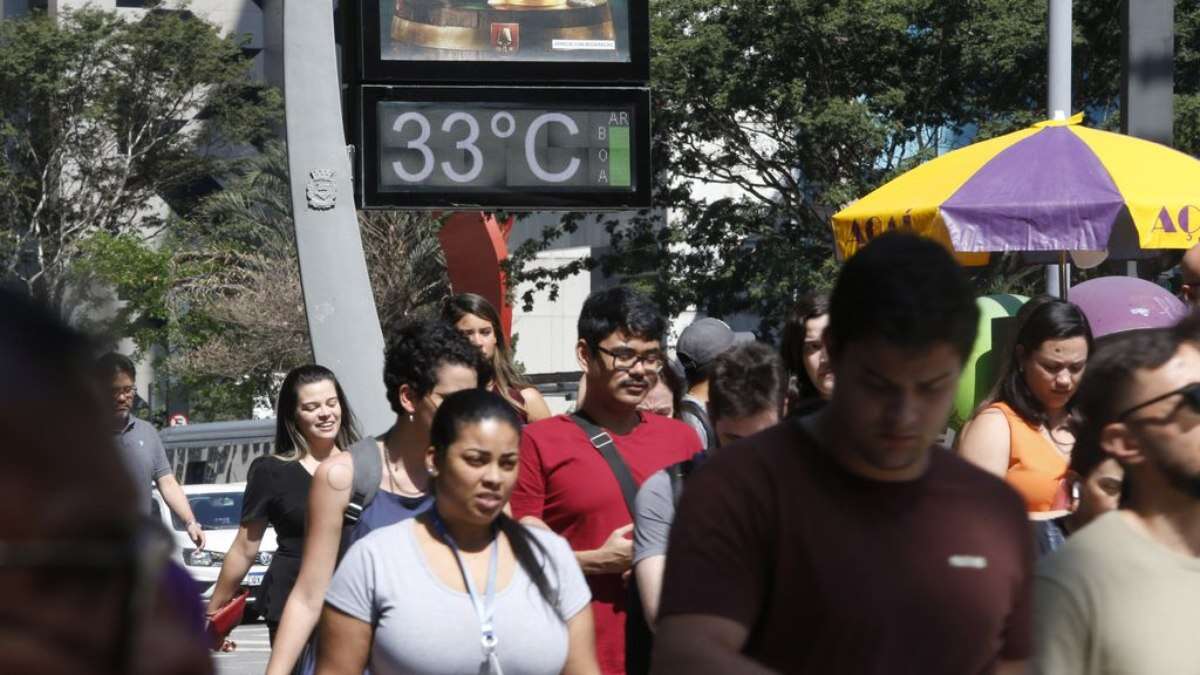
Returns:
point(444, 153)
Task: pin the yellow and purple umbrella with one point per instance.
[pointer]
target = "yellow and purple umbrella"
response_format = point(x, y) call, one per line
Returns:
point(1056, 186)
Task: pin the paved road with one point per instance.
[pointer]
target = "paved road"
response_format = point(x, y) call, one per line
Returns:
point(252, 653)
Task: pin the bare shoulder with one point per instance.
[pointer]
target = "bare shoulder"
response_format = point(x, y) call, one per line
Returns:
point(535, 405)
point(532, 394)
point(987, 424)
point(335, 475)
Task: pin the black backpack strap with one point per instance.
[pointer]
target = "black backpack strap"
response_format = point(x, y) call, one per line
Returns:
point(603, 443)
point(679, 472)
point(696, 410)
point(368, 471)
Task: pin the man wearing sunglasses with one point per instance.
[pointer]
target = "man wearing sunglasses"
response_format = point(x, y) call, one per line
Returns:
point(1123, 594)
point(579, 473)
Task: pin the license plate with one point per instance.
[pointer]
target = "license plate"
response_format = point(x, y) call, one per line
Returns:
point(253, 579)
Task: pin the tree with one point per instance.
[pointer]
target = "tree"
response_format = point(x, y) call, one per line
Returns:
point(230, 295)
point(100, 119)
point(802, 106)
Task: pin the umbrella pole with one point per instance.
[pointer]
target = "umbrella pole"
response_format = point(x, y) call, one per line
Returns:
point(1064, 275)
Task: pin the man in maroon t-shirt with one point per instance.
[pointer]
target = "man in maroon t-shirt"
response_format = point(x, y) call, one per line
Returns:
point(566, 484)
point(844, 542)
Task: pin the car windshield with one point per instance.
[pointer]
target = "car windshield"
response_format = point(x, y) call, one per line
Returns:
point(214, 511)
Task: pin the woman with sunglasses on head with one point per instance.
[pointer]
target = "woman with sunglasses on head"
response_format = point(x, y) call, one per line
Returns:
point(1022, 432)
point(479, 321)
point(378, 481)
point(313, 422)
point(462, 588)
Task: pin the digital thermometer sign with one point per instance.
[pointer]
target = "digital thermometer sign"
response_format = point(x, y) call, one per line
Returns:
point(505, 147)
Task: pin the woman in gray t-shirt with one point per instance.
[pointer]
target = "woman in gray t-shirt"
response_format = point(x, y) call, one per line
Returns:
point(462, 588)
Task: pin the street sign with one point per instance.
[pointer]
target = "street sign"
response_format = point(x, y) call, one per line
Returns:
point(514, 147)
point(499, 41)
point(178, 420)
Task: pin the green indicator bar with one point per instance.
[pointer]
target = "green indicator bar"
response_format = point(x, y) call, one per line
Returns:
point(619, 173)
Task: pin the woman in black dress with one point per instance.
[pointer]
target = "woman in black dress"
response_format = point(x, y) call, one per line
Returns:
point(313, 422)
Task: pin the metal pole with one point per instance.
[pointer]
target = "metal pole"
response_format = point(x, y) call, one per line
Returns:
point(1058, 99)
point(342, 320)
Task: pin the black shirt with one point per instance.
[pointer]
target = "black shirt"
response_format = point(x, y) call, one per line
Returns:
point(277, 490)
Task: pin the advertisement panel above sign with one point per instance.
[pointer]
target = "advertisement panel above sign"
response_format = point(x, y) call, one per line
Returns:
point(502, 41)
point(507, 147)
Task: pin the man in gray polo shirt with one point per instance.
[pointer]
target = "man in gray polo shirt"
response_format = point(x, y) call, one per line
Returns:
point(141, 448)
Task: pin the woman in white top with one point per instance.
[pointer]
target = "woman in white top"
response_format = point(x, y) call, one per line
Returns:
point(463, 588)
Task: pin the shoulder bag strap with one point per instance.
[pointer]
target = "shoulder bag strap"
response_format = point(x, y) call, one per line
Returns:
point(701, 414)
point(368, 471)
point(603, 443)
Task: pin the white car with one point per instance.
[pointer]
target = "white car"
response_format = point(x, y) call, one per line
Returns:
point(218, 509)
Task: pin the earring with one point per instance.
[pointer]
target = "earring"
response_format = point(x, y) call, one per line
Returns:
point(432, 472)
point(410, 417)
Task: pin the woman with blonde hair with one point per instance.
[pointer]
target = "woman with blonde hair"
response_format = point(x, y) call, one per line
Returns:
point(313, 422)
point(479, 322)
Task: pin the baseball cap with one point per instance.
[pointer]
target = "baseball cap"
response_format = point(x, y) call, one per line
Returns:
point(706, 339)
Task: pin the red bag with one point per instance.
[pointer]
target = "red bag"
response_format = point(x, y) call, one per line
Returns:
point(222, 623)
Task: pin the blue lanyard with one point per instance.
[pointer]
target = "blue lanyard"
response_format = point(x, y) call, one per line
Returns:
point(485, 609)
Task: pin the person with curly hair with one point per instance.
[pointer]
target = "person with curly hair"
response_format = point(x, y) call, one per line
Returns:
point(379, 480)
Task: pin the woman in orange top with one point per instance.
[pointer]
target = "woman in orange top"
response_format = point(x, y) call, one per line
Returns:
point(1021, 432)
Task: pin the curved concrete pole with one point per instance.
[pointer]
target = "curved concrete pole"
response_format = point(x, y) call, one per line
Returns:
point(342, 320)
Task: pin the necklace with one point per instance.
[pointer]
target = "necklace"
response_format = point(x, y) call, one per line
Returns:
point(392, 481)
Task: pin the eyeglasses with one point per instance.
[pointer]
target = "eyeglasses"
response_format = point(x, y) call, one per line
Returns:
point(1190, 394)
point(123, 391)
point(626, 359)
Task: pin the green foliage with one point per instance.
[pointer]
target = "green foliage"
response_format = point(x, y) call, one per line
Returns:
point(100, 118)
point(794, 108)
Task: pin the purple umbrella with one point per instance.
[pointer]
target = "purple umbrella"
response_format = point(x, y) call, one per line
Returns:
point(1117, 304)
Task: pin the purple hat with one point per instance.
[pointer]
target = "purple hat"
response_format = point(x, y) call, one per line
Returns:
point(1119, 304)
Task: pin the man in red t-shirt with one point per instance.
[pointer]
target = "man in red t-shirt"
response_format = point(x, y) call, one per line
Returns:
point(566, 484)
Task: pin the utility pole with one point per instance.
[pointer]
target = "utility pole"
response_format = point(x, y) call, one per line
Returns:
point(1148, 74)
point(1058, 100)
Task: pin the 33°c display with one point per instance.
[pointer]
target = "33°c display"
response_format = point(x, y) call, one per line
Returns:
point(569, 152)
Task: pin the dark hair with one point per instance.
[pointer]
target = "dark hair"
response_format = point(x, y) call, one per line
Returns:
point(472, 406)
point(111, 364)
point(289, 442)
point(673, 377)
point(503, 370)
point(1042, 318)
point(416, 351)
point(747, 380)
point(907, 291)
point(1106, 381)
point(619, 309)
point(49, 370)
point(791, 346)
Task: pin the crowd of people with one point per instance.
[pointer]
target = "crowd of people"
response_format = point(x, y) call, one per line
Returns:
point(733, 508)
